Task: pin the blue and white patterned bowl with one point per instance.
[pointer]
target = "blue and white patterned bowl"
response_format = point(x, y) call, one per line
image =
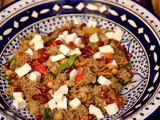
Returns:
point(141, 38)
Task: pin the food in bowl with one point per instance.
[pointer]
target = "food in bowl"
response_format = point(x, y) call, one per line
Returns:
point(75, 72)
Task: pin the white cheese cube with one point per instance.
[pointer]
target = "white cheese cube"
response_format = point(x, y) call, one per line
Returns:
point(106, 49)
point(80, 6)
point(97, 55)
point(103, 81)
point(35, 76)
point(23, 70)
point(73, 73)
point(102, 8)
point(111, 108)
point(75, 51)
point(63, 104)
point(58, 97)
point(92, 24)
point(63, 89)
point(94, 38)
point(19, 104)
point(61, 37)
point(57, 57)
point(52, 104)
point(65, 33)
point(77, 41)
point(29, 51)
point(95, 111)
point(77, 21)
point(113, 63)
point(70, 37)
point(64, 49)
point(75, 103)
point(37, 41)
point(39, 45)
point(118, 34)
point(109, 35)
point(18, 95)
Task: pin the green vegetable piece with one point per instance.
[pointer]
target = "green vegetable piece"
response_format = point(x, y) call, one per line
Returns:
point(63, 66)
point(72, 59)
point(70, 62)
point(47, 116)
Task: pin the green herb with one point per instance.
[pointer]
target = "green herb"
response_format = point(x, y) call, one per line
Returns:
point(63, 66)
point(70, 62)
point(72, 59)
point(47, 116)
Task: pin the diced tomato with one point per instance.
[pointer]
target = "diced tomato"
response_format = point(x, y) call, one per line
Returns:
point(21, 52)
point(118, 100)
point(35, 63)
point(40, 68)
point(79, 77)
point(54, 43)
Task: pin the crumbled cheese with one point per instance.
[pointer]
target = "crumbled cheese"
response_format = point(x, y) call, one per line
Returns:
point(118, 34)
point(35, 76)
point(73, 73)
point(18, 95)
point(63, 89)
point(57, 57)
point(64, 49)
point(112, 108)
point(94, 38)
point(106, 49)
point(63, 104)
point(75, 51)
point(52, 104)
point(103, 81)
point(95, 111)
point(97, 55)
point(29, 51)
point(70, 37)
point(75, 103)
point(19, 104)
point(92, 24)
point(109, 35)
point(23, 70)
point(62, 36)
point(37, 41)
point(77, 41)
point(113, 63)
point(58, 97)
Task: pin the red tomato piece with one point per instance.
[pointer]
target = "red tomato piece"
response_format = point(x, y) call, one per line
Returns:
point(79, 77)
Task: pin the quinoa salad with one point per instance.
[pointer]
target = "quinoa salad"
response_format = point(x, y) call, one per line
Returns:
point(76, 72)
